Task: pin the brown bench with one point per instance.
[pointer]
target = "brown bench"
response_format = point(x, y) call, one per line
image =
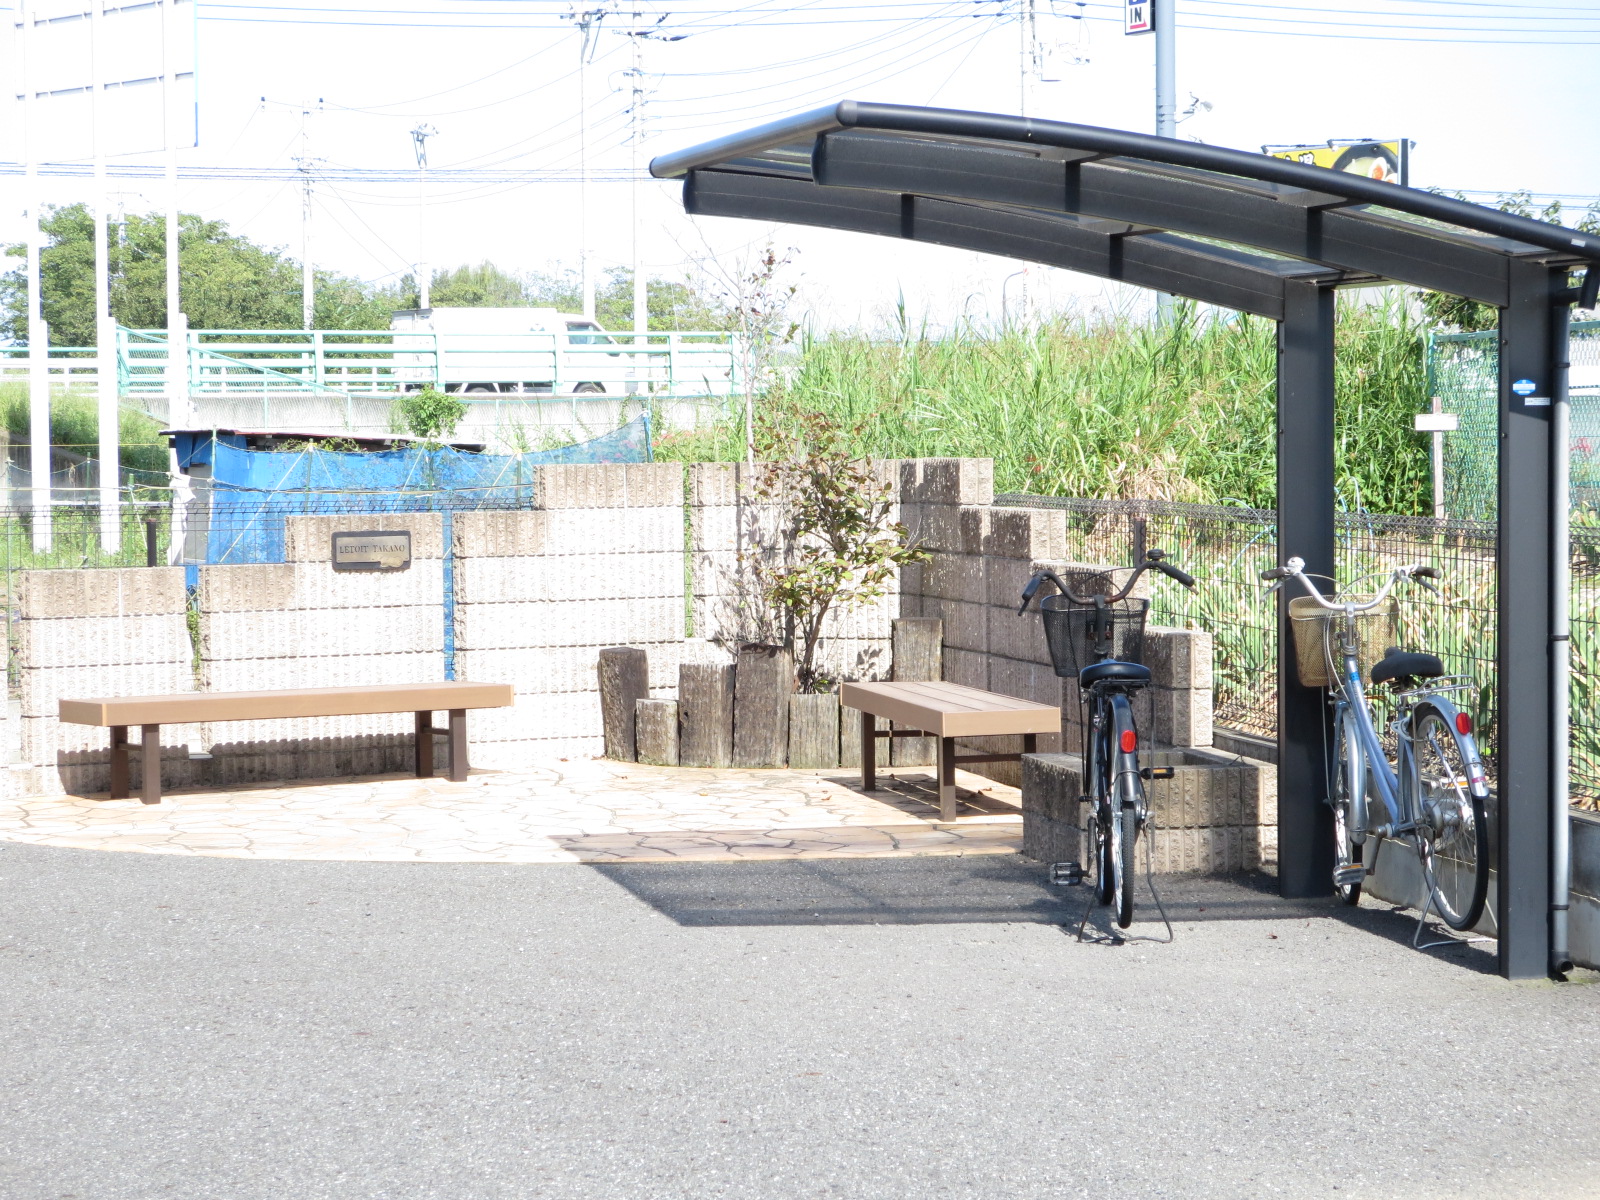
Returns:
point(945, 711)
point(152, 712)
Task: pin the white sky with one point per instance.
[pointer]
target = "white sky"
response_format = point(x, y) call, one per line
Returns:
point(1497, 97)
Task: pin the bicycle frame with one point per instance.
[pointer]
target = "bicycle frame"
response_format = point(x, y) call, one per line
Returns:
point(1116, 711)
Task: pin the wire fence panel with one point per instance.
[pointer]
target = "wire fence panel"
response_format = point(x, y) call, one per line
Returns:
point(1463, 372)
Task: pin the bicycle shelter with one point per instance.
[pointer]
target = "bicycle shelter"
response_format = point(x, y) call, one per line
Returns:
point(1277, 239)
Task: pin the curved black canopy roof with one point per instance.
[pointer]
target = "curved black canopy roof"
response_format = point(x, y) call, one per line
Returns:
point(1222, 226)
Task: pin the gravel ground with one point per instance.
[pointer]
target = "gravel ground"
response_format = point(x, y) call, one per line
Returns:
point(231, 1029)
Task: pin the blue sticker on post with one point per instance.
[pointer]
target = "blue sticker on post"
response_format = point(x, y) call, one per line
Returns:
point(1524, 387)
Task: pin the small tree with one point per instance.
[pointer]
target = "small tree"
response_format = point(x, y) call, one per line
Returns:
point(429, 414)
point(839, 548)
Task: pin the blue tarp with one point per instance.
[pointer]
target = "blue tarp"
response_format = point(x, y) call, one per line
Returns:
point(252, 491)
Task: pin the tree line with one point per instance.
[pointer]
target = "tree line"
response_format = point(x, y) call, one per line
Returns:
point(231, 282)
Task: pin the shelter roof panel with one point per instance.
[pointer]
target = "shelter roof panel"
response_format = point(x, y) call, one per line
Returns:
point(1360, 229)
point(1213, 274)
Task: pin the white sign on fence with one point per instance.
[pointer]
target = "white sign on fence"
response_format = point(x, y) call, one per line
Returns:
point(1441, 422)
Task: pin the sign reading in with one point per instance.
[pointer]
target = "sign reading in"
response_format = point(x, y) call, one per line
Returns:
point(1136, 17)
point(372, 550)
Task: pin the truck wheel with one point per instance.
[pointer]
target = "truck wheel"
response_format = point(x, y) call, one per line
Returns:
point(479, 389)
point(588, 389)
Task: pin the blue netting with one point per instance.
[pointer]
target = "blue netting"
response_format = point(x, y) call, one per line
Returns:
point(252, 491)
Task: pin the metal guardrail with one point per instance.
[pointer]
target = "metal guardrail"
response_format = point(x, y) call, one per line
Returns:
point(385, 363)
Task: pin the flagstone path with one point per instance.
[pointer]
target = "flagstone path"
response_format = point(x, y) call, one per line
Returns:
point(580, 811)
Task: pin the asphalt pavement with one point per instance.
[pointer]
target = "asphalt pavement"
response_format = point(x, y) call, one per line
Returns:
point(220, 1029)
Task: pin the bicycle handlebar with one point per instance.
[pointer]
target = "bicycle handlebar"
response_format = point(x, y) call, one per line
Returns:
point(1153, 559)
point(1295, 568)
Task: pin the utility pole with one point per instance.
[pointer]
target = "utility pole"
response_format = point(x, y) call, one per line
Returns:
point(419, 143)
point(1027, 46)
point(588, 23)
point(1166, 101)
point(177, 373)
point(306, 162)
point(641, 310)
point(108, 451)
point(38, 331)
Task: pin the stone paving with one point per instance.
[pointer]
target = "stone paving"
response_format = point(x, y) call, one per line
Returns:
point(579, 811)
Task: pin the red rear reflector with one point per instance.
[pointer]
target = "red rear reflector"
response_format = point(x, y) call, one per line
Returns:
point(1463, 723)
point(1130, 741)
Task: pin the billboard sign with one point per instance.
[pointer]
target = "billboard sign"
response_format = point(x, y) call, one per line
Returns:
point(1137, 18)
point(1384, 161)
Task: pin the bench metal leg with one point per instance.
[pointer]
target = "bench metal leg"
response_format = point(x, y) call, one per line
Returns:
point(947, 779)
point(119, 762)
point(458, 745)
point(869, 752)
point(150, 764)
point(424, 747)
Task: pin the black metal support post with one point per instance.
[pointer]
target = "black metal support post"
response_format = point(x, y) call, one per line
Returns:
point(1305, 529)
point(1528, 356)
point(152, 557)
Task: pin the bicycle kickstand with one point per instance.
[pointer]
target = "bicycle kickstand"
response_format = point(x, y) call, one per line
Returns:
point(1150, 877)
point(1446, 939)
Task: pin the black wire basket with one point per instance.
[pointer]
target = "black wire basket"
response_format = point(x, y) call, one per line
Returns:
point(1080, 635)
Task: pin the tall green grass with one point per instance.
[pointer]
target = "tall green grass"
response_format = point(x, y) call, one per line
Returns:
point(75, 426)
point(1113, 407)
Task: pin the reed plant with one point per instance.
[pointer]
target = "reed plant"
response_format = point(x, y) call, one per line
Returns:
point(1111, 407)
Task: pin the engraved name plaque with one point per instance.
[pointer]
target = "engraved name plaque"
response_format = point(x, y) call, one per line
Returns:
point(372, 550)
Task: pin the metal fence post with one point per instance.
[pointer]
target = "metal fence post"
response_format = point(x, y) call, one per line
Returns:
point(1306, 502)
point(1526, 569)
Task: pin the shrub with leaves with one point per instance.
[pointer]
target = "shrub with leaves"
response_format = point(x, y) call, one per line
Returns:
point(839, 549)
point(429, 414)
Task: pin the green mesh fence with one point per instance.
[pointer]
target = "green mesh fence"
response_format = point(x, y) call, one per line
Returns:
point(1462, 372)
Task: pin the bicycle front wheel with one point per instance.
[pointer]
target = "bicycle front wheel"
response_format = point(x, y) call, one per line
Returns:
point(1125, 831)
point(1452, 818)
point(1348, 773)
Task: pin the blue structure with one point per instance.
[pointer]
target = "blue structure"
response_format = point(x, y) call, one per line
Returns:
point(252, 491)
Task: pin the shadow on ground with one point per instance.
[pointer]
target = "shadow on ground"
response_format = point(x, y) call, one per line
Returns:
point(975, 890)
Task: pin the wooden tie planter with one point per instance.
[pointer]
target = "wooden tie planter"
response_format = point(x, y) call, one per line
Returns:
point(746, 713)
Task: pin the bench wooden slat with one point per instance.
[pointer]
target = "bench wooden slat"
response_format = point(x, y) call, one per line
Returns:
point(192, 707)
point(951, 709)
point(948, 711)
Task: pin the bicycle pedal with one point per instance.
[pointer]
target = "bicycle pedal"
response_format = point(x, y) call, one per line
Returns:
point(1349, 876)
point(1066, 874)
point(1085, 798)
point(1157, 772)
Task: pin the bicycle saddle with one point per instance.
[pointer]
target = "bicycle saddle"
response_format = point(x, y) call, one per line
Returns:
point(1406, 664)
point(1111, 668)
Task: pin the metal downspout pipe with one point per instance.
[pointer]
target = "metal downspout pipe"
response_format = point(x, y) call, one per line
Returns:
point(1560, 643)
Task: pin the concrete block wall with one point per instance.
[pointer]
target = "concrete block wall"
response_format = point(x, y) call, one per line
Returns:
point(300, 623)
point(1217, 815)
point(539, 594)
point(83, 634)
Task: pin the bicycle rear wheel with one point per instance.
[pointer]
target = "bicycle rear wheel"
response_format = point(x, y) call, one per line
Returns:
point(1348, 772)
point(1104, 813)
point(1125, 831)
point(1452, 818)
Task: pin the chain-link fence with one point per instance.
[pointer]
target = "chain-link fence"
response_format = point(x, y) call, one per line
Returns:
point(1463, 372)
point(1227, 548)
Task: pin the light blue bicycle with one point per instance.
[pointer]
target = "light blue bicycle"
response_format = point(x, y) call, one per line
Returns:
point(1435, 795)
